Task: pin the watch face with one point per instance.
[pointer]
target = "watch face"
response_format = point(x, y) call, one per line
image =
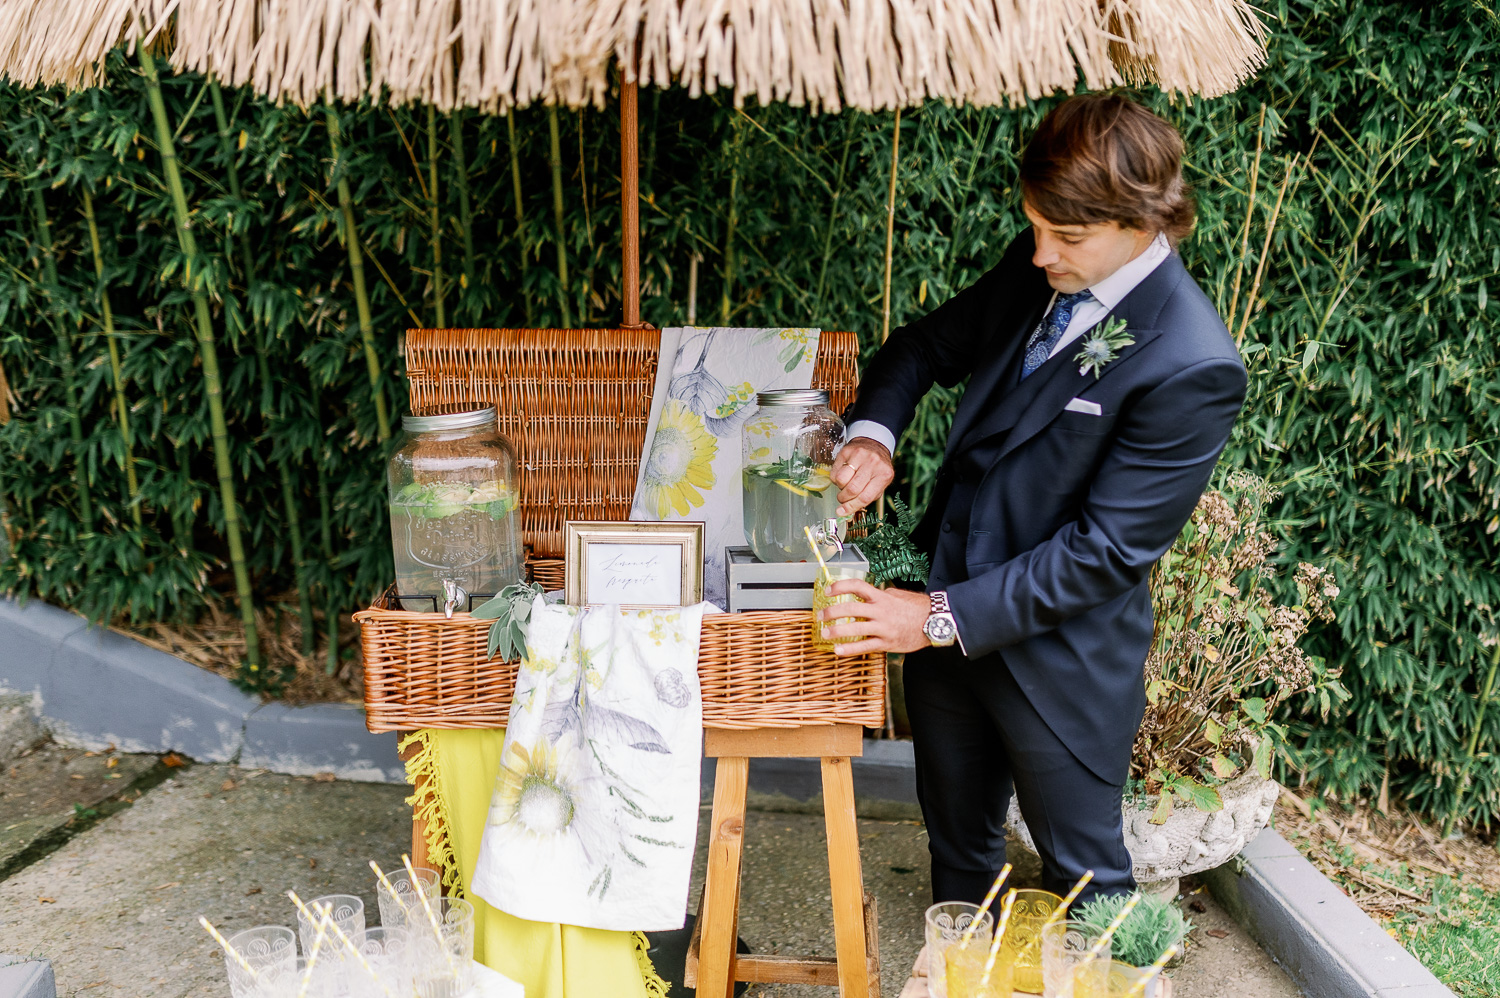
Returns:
point(940, 629)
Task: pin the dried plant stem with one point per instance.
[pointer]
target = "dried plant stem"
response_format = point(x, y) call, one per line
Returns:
point(357, 275)
point(268, 415)
point(325, 529)
point(465, 208)
point(1260, 266)
point(1239, 263)
point(65, 355)
point(208, 354)
point(122, 409)
point(555, 160)
point(436, 219)
point(890, 231)
point(515, 183)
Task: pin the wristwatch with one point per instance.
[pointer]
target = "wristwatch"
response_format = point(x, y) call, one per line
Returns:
point(941, 629)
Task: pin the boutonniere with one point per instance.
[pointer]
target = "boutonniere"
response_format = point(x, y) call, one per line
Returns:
point(1101, 346)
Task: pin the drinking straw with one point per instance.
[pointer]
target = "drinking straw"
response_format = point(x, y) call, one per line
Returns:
point(989, 899)
point(343, 939)
point(817, 554)
point(386, 883)
point(1103, 941)
point(228, 948)
point(989, 964)
point(1156, 968)
point(312, 958)
point(431, 918)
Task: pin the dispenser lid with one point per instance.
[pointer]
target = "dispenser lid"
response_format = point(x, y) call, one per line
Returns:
point(448, 420)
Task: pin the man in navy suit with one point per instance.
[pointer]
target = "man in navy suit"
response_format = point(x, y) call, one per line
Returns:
point(1103, 388)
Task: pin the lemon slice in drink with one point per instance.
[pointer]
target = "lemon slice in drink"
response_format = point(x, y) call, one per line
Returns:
point(817, 481)
point(790, 487)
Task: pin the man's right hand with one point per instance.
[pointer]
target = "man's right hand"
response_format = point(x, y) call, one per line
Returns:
point(861, 470)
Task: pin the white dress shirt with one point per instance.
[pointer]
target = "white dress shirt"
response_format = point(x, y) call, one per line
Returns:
point(1108, 293)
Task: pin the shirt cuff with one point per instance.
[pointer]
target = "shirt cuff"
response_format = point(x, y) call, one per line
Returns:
point(873, 430)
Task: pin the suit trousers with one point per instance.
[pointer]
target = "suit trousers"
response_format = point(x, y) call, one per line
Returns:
point(978, 740)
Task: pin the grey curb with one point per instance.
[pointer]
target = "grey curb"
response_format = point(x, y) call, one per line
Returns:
point(1329, 947)
point(21, 977)
point(93, 688)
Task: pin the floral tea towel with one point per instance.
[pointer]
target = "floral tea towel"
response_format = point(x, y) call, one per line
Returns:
point(690, 466)
point(595, 809)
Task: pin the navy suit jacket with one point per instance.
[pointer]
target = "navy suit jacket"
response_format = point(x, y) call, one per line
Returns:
point(1047, 571)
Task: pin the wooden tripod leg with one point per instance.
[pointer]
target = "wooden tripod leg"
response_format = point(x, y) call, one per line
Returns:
point(418, 826)
point(845, 877)
point(719, 914)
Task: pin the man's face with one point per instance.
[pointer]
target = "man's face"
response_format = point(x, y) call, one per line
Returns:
point(1079, 256)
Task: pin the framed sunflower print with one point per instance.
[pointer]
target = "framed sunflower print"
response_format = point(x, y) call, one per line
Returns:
point(637, 565)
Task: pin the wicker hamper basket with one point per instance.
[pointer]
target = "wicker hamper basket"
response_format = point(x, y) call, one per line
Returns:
point(575, 403)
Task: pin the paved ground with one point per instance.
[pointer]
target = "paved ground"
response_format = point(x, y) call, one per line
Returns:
point(115, 908)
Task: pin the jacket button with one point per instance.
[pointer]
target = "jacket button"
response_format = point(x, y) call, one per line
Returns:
point(947, 527)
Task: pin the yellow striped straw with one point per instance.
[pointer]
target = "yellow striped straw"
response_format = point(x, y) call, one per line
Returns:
point(1058, 912)
point(228, 948)
point(312, 958)
point(343, 939)
point(989, 899)
point(828, 576)
point(989, 964)
point(1156, 969)
point(431, 918)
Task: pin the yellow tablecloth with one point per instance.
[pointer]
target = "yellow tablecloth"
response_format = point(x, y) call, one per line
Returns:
point(549, 960)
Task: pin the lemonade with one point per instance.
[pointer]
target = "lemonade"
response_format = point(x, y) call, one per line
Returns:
point(780, 500)
point(454, 530)
point(966, 971)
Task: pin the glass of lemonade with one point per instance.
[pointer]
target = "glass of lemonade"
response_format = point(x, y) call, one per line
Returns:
point(787, 456)
point(822, 600)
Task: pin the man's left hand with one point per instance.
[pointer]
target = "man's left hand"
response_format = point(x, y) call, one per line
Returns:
point(888, 619)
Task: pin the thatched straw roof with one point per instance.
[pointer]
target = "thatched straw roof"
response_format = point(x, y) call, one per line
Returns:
point(494, 54)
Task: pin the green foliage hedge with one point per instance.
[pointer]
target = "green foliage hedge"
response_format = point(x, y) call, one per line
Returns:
point(1375, 402)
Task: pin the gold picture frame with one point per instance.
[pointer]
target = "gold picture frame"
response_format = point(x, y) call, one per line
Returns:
point(638, 565)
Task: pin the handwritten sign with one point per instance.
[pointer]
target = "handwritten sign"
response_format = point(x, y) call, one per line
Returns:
point(636, 574)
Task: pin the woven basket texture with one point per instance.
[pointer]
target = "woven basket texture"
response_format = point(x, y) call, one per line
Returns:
point(575, 403)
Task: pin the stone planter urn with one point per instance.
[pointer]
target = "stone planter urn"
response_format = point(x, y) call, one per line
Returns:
point(1191, 841)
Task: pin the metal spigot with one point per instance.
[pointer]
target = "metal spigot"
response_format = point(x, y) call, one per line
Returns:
point(453, 595)
point(827, 532)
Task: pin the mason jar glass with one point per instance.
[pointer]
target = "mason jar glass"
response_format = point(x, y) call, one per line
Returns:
point(453, 499)
point(787, 449)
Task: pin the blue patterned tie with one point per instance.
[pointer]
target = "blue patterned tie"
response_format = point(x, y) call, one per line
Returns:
point(1039, 347)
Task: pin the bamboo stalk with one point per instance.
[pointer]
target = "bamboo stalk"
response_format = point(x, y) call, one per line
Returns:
point(1239, 264)
point(1473, 746)
point(726, 295)
point(325, 530)
point(5, 396)
point(208, 354)
point(65, 356)
point(515, 182)
point(1260, 267)
point(122, 409)
point(557, 210)
point(833, 211)
point(357, 275)
point(437, 239)
point(270, 417)
point(890, 232)
point(465, 209)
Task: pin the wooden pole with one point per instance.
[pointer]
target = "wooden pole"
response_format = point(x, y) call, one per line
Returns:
point(890, 231)
point(630, 205)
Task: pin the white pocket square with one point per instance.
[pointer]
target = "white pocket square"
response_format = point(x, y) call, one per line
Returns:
point(1084, 405)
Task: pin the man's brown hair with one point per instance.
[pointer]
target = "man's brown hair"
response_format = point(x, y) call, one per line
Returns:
point(1105, 158)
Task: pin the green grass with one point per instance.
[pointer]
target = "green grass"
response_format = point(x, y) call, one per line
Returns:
point(1456, 936)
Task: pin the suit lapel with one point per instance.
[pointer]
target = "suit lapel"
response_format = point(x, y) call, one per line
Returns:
point(986, 382)
point(1038, 400)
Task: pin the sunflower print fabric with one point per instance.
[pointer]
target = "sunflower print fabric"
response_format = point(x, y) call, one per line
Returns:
point(690, 466)
point(594, 811)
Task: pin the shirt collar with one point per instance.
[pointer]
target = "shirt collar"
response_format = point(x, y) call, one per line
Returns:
point(1112, 290)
